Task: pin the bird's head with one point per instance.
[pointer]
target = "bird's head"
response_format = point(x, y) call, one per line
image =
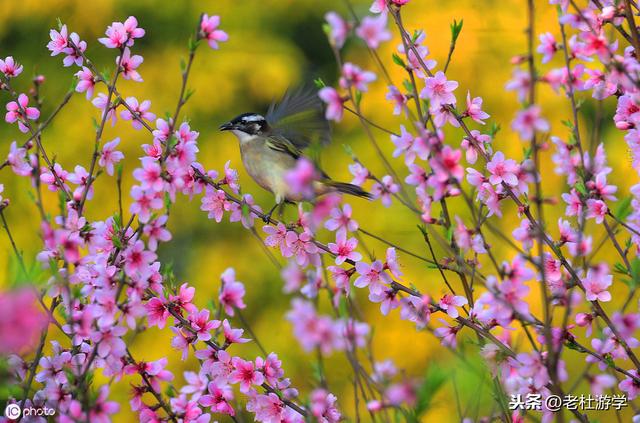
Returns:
point(246, 125)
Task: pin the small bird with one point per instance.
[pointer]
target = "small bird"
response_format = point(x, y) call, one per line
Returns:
point(271, 146)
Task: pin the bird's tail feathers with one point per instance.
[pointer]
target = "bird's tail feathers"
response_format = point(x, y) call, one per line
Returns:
point(350, 189)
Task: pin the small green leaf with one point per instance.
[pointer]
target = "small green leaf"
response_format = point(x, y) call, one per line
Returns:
point(581, 188)
point(319, 83)
point(398, 60)
point(456, 29)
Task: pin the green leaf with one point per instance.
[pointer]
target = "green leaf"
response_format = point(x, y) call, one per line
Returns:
point(319, 83)
point(581, 188)
point(495, 128)
point(624, 209)
point(456, 29)
point(398, 60)
point(358, 98)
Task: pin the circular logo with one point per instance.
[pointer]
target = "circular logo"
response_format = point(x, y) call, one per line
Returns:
point(12, 411)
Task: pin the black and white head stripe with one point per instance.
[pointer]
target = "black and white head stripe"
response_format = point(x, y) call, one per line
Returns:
point(250, 123)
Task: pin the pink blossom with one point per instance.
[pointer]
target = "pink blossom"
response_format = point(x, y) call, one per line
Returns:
point(334, 103)
point(521, 83)
point(354, 76)
point(210, 32)
point(548, 46)
point(141, 112)
point(246, 374)
point(110, 156)
point(202, 325)
point(101, 102)
point(74, 51)
point(301, 246)
point(378, 6)
point(373, 276)
point(120, 34)
point(231, 292)
point(360, 174)
point(215, 202)
point(17, 158)
point(231, 335)
point(129, 64)
point(373, 30)
point(150, 175)
point(385, 189)
point(81, 177)
point(631, 386)
point(323, 406)
point(184, 298)
point(438, 90)
point(344, 249)
point(447, 334)
point(341, 220)
point(20, 112)
point(218, 398)
point(58, 41)
point(86, 82)
point(502, 170)
point(447, 164)
point(596, 209)
point(145, 201)
point(137, 258)
point(155, 231)
point(528, 121)
point(101, 408)
point(338, 29)
point(474, 109)
point(596, 283)
point(398, 99)
point(449, 303)
point(10, 68)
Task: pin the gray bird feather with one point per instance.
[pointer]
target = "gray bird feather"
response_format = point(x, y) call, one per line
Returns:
point(298, 117)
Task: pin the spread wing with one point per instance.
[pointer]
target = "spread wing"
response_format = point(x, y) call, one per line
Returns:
point(299, 118)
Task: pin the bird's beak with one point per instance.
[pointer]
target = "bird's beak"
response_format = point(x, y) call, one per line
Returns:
point(226, 126)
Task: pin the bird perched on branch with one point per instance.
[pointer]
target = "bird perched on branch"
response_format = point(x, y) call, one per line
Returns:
point(273, 145)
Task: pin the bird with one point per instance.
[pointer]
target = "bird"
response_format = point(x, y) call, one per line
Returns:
point(272, 144)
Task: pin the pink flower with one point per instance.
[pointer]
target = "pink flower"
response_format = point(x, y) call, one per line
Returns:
point(338, 29)
point(447, 164)
point(246, 374)
point(110, 156)
point(354, 76)
point(384, 189)
point(19, 111)
point(231, 335)
point(184, 298)
point(360, 174)
point(373, 30)
point(528, 121)
point(548, 46)
point(129, 64)
point(101, 408)
point(447, 334)
point(301, 246)
point(323, 406)
point(449, 303)
point(231, 292)
point(521, 83)
point(596, 283)
point(157, 312)
point(156, 231)
point(378, 6)
point(86, 82)
point(145, 201)
point(344, 249)
point(334, 103)
point(58, 41)
point(210, 32)
point(219, 398)
point(474, 109)
point(10, 68)
point(630, 386)
point(17, 158)
point(215, 202)
point(398, 99)
point(502, 170)
point(301, 179)
point(120, 34)
point(137, 258)
point(141, 112)
point(341, 220)
point(21, 321)
point(373, 276)
point(202, 325)
point(438, 90)
point(100, 101)
point(596, 209)
point(74, 51)
point(150, 175)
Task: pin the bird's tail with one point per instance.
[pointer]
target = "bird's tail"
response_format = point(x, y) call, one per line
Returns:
point(350, 189)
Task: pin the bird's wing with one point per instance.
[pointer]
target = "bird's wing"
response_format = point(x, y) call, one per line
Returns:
point(299, 118)
point(283, 145)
